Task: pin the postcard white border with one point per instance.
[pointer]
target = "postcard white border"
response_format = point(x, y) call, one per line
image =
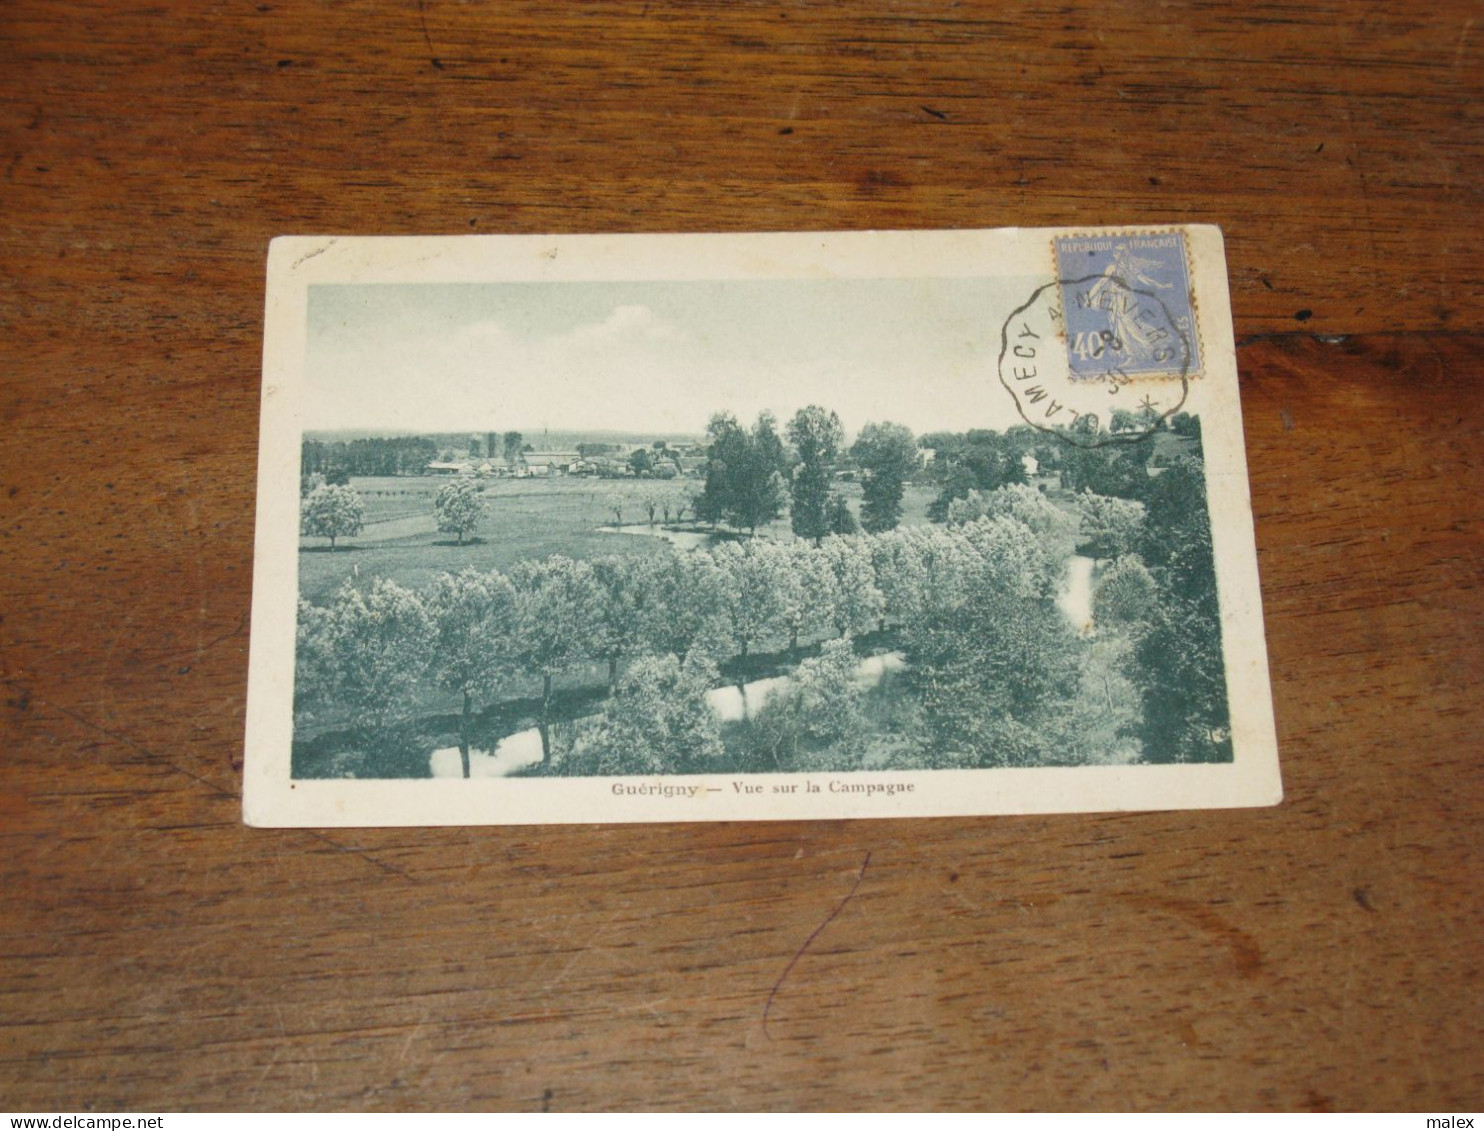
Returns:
point(272, 799)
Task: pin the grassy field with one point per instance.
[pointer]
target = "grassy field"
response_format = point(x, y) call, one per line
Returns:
point(526, 518)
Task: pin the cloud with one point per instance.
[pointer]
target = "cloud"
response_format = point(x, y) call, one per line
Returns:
point(630, 321)
point(487, 331)
point(659, 357)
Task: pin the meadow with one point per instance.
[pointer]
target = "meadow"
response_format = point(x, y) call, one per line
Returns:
point(525, 519)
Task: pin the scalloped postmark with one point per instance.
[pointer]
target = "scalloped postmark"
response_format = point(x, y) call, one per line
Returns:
point(1105, 353)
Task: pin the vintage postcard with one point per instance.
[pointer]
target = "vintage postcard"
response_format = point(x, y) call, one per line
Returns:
point(730, 527)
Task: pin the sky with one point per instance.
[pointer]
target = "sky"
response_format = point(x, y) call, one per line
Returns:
point(655, 356)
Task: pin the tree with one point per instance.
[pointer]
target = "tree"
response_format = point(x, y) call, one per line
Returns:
point(514, 445)
point(1177, 529)
point(628, 593)
point(558, 609)
point(1179, 666)
point(827, 692)
point(1110, 527)
point(839, 517)
point(991, 656)
point(371, 455)
point(762, 500)
point(988, 676)
point(939, 568)
point(724, 456)
point(858, 603)
point(673, 501)
point(686, 615)
point(314, 659)
point(1124, 598)
point(313, 457)
point(1185, 424)
point(752, 581)
point(760, 491)
point(816, 435)
point(1117, 470)
point(898, 573)
point(816, 709)
point(641, 462)
point(1054, 530)
point(744, 480)
point(888, 455)
point(657, 721)
point(1182, 681)
point(382, 641)
point(806, 592)
point(473, 619)
point(458, 507)
point(768, 447)
point(332, 512)
point(980, 460)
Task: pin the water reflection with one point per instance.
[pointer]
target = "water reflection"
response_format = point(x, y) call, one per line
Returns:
point(521, 749)
point(681, 539)
point(1075, 600)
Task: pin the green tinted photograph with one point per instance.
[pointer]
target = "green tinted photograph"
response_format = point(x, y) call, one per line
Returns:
point(755, 526)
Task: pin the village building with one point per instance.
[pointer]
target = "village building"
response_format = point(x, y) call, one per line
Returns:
point(551, 463)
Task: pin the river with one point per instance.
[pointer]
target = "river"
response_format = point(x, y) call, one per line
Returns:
point(730, 703)
point(1075, 599)
point(681, 539)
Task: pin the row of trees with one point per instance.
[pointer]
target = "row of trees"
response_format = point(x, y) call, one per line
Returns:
point(752, 476)
point(367, 653)
point(995, 671)
point(337, 460)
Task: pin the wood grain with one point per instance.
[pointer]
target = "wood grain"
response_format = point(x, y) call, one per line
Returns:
point(155, 954)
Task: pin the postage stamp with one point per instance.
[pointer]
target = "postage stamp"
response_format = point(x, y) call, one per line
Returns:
point(1128, 305)
point(774, 526)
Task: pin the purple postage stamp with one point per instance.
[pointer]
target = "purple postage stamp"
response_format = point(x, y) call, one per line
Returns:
point(1128, 305)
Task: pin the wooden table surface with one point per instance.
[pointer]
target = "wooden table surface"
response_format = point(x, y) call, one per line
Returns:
point(1323, 954)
